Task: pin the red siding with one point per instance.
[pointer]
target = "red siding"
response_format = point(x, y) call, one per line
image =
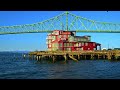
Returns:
point(62, 38)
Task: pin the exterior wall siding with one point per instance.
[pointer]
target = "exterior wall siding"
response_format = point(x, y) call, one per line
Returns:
point(65, 41)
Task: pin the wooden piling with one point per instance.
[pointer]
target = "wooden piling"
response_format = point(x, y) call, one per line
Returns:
point(85, 57)
point(109, 57)
point(92, 57)
point(53, 57)
point(78, 57)
point(65, 57)
point(39, 58)
point(104, 57)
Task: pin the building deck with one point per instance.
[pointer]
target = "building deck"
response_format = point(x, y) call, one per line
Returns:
point(76, 55)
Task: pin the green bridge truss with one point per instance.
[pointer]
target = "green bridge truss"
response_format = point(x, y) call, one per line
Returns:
point(65, 21)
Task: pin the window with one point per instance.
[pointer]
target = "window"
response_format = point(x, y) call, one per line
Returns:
point(68, 36)
point(49, 41)
point(65, 44)
point(65, 49)
point(74, 45)
point(77, 49)
point(53, 45)
point(56, 45)
point(75, 39)
point(60, 49)
point(89, 38)
point(94, 48)
point(82, 44)
point(71, 38)
point(81, 48)
point(70, 44)
point(57, 33)
point(86, 44)
point(80, 39)
point(79, 44)
point(49, 49)
point(59, 36)
point(69, 49)
point(49, 45)
point(53, 38)
point(60, 44)
point(85, 39)
point(64, 36)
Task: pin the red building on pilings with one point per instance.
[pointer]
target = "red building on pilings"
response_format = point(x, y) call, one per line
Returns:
point(68, 41)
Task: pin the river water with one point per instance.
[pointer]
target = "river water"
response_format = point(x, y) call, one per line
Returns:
point(14, 66)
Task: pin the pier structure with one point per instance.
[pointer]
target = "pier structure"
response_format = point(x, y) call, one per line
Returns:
point(76, 55)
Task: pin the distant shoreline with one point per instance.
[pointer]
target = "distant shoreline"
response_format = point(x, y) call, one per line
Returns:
point(16, 51)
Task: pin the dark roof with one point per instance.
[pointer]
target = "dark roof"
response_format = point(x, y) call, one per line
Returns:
point(84, 41)
point(88, 35)
point(67, 31)
point(71, 31)
point(79, 36)
point(117, 48)
point(98, 43)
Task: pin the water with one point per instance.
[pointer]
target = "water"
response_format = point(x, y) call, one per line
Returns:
point(14, 66)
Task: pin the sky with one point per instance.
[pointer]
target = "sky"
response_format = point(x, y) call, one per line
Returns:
point(37, 41)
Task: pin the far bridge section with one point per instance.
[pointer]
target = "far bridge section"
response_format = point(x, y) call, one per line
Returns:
point(65, 21)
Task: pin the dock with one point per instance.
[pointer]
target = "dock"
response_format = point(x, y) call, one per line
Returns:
point(76, 55)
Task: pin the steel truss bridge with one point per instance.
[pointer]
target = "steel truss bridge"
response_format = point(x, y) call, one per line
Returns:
point(65, 21)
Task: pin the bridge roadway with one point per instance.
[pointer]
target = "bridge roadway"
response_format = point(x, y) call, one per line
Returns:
point(79, 31)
